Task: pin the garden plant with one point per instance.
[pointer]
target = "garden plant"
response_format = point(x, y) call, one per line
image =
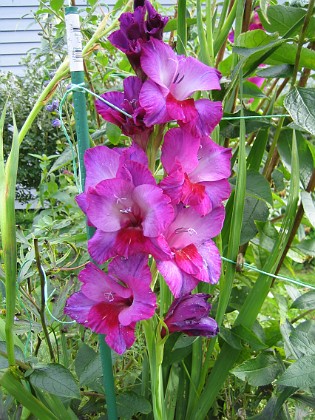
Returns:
point(166, 271)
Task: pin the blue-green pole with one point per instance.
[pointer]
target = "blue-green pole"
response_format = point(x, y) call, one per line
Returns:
point(82, 130)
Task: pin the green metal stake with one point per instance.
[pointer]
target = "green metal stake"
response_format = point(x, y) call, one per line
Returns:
point(81, 124)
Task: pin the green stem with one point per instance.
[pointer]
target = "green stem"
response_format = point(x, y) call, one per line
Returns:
point(8, 232)
point(181, 27)
point(155, 348)
point(204, 53)
point(209, 32)
point(301, 41)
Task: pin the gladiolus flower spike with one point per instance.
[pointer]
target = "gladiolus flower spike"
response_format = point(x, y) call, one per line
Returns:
point(136, 219)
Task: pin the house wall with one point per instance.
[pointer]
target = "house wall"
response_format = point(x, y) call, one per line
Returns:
point(19, 32)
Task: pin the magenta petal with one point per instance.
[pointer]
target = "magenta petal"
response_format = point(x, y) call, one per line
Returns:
point(193, 76)
point(191, 228)
point(134, 153)
point(132, 87)
point(212, 260)
point(139, 173)
point(208, 116)
point(78, 307)
point(103, 319)
point(217, 191)
point(172, 184)
point(157, 211)
point(190, 261)
point(153, 101)
point(182, 147)
point(159, 62)
point(101, 246)
point(135, 273)
point(214, 162)
point(99, 286)
point(81, 201)
point(178, 281)
point(101, 163)
point(108, 113)
point(183, 111)
point(121, 340)
point(108, 204)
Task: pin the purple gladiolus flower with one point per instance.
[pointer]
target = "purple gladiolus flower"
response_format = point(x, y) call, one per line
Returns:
point(130, 214)
point(128, 101)
point(197, 170)
point(195, 257)
point(102, 163)
point(190, 314)
point(173, 79)
point(135, 29)
point(113, 303)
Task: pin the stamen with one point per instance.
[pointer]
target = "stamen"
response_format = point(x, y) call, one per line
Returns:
point(191, 231)
point(109, 296)
point(126, 211)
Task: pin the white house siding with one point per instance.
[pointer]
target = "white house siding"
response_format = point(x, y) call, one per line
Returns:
point(19, 32)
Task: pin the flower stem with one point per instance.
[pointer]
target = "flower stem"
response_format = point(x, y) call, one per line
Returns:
point(155, 348)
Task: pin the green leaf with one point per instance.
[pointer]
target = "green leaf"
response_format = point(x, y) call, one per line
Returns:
point(65, 157)
point(233, 340)
point(113, 133)
point(281, 70)
point(55, 379)
point(92, 2)
point(129, 404)
point(305, 399)
point(250, 90)
point(249, 337)
point(254, 209)
point(307, 247)
point(88, 365)
point(282, 18)
point(305, 155)
point(171, 393)
point(56, 5)
point(263, 7)
point(257, 186)
point(306, 301)
point(259, 47)
point(303, 341)
point(3, 360)
point(308, 206)
point(259, 371)
point(300, 374)
point(300, 104)
point(21, 394)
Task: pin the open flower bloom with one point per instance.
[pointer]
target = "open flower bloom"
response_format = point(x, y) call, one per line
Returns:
point(128, 101)
point(135, 29)
point(112, 303)
point(173, 79)
point(195, 256)
point(190, 314)
point(130, 214)
point(102, 163)
point(198, 170)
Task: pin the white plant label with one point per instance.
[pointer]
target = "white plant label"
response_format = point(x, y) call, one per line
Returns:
point(74, 41)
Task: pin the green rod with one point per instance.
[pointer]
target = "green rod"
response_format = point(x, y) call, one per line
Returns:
point(81, 124)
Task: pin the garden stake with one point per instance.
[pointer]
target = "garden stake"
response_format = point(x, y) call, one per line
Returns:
point(81, 124)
